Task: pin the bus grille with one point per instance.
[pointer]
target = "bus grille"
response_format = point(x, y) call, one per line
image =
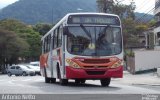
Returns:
point(95, 66)
point(96, 61)
point(95, 72)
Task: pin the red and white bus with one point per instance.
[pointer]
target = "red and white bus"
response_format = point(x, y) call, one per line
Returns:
point(83, 46)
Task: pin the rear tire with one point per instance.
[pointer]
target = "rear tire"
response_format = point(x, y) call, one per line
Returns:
point(63, 82)
point(9, 74)
point(105, 82)
point(47, 80)
point(53, 80)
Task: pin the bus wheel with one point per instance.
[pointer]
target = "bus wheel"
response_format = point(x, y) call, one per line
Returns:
point(83, 81)
point(47, 80)
point(63, 82)
point(77, 81)
point(105, 82)
point(53, 80)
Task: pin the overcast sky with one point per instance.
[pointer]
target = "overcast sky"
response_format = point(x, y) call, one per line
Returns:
point(141, 5)
point(4, 3)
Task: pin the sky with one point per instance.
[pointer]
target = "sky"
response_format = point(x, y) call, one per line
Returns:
point(4, 3)
point(142, 6)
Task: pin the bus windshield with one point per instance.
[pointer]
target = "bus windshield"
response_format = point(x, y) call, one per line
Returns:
point(94, 40)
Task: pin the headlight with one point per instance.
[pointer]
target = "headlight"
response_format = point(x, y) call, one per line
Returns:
point(117, 64)
point(72, 63)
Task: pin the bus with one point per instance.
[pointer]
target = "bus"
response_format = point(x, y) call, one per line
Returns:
point(83, 46)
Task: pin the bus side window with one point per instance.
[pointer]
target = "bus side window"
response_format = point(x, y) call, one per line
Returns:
point(59, 36)
point(45, 45)
point(49, 42)
point(55, 39)
point(52, 39)
point(57, 32)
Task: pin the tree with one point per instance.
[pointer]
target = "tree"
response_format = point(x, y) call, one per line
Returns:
point(33, 38)
point(11, 25)
point(110, 6)
point(151, 23)
point(11, 47)
point(141, 28)
point(105, 6)
point(129, 31)
point(26, 33)
point(126, 13)
point(42, 28)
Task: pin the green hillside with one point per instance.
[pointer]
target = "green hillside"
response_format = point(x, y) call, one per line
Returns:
point(49, 11)
point(45, 11)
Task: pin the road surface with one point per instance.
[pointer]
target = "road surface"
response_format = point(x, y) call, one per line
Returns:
point(90, 91)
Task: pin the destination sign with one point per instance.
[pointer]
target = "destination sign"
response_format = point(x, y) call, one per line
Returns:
point(93, 19)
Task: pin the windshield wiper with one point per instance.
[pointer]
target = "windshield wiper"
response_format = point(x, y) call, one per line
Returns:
point(103, 31)
point(86, 31)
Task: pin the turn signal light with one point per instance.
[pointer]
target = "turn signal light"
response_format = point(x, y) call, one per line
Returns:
point(117, 64)
point(72, 63)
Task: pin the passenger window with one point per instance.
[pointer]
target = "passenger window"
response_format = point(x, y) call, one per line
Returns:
point(45, 45)
point(13, 67)
point(17, 67)
point(49, 42)
point(55, 39)
point(59, 37)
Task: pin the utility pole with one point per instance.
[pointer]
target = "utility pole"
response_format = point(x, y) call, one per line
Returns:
point(105, 6)
point(52, 16)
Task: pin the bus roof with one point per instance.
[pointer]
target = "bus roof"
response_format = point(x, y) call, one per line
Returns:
point(67, 15)
point(89, 13)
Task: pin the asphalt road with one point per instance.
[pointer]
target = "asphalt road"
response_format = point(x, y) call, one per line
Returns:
point(92, 90)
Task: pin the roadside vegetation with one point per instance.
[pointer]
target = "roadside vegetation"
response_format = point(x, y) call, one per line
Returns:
point(20, 42)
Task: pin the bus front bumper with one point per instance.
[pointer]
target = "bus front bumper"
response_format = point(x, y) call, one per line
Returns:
point(72, 73)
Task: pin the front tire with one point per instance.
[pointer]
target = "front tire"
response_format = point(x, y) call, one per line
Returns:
point(62, 82)
point(105, 82)
point(24, 74)
point(78, 81)
point(83, 81)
